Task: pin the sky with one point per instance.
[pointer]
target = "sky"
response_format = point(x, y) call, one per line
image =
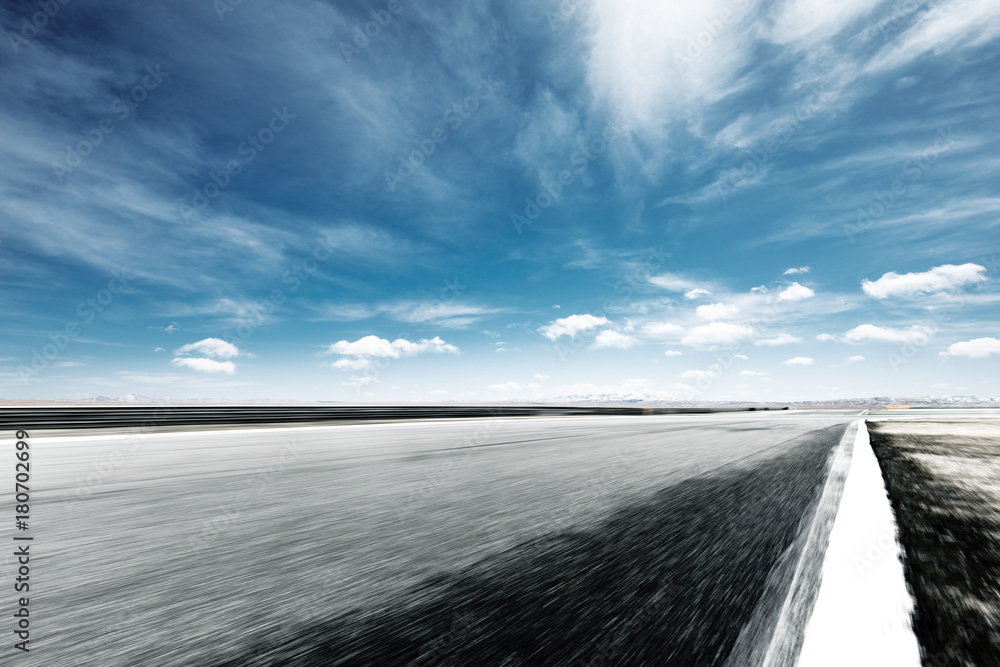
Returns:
point(481, 201)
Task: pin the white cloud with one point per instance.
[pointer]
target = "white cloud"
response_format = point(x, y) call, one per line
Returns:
point(171, 328)
point(695, 374)
point(373, 346)
point(853, 359)
point(613, 339)
point(799, 361)
point(539, 376)
point(673, 353)
point(203, 365)
point(571, 326)
point(717, 333)
point(642, 62)
point(975, 348)
point(213, 347)
point(795, 271)
point(158, 349)
point(795, 292)
point(780, 339)
point(511, 386)
point(696, 293)
point(826, 338)
point(506, 386)
point(359, 381)
point(501, 349)
point(939, 279)
point(352, 364)
point(675, 282)
point(717, 311)
point(660, 328)
point(871, 332)
point(741, 356)
point(751, 373)
point(368, 346)
point(434, 345)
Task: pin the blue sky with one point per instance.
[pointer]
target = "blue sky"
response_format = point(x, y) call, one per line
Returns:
point(398, 201)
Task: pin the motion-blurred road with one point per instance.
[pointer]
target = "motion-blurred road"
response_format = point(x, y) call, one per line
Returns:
point(570, 541)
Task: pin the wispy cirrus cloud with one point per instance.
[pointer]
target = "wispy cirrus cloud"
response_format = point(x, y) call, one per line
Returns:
point(865, 333)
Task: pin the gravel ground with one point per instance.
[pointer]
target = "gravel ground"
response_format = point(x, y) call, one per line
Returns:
point(943, 478)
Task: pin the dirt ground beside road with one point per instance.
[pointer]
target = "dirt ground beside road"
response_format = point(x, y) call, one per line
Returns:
point(943, 479)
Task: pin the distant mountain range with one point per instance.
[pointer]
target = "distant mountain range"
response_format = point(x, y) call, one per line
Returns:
point(609, 399)
point(650, 400)
point(127, 398)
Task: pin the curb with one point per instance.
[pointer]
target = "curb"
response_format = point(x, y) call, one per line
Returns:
point(863, 611)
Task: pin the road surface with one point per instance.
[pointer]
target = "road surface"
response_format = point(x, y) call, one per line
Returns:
point(630, 540)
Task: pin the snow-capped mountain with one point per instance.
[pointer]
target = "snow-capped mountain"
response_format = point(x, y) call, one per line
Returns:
point(134, 398)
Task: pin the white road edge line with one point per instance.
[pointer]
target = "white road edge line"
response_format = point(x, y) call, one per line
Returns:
point(862, 614)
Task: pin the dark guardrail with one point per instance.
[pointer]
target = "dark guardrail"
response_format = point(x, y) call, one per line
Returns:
point(72, 417)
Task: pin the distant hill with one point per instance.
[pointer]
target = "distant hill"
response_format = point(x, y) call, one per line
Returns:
point(650, 400)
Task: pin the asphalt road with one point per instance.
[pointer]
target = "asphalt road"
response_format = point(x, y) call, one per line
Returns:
point(642, 540)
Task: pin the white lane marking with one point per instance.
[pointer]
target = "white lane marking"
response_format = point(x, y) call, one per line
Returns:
point(863, 610)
